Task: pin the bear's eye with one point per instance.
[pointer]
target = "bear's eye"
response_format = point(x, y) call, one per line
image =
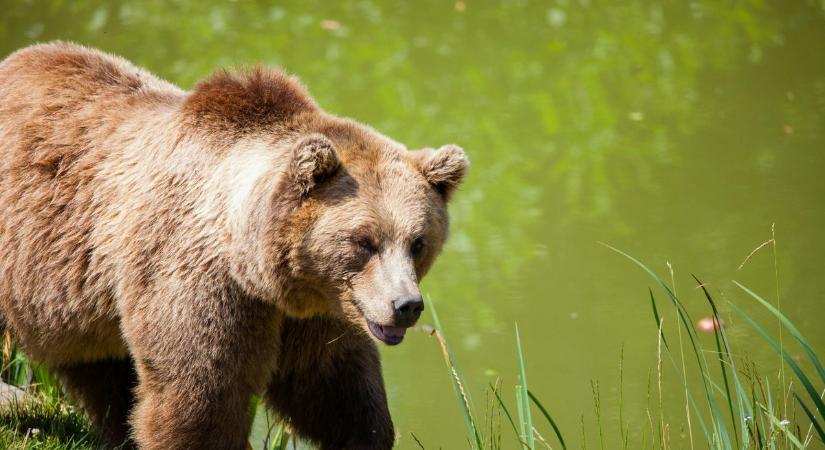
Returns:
point(417, 247)
point(365, 245)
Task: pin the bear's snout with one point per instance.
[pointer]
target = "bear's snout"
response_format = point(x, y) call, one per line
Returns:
point(407, 310)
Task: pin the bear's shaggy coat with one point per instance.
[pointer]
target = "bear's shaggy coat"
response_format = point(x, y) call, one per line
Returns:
point(170, 253)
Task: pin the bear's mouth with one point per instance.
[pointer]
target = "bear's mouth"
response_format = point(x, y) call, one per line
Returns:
point(387, 334)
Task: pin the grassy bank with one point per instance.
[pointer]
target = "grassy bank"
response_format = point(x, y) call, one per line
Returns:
point(38, 417)
point(46, 424)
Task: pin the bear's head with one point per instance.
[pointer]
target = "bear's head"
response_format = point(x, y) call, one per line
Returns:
point(369, 223)
point(327, 216)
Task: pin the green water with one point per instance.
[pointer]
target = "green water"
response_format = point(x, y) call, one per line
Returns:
point(676, 131)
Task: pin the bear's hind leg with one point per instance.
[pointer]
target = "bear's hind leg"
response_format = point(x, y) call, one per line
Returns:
point(105, 391)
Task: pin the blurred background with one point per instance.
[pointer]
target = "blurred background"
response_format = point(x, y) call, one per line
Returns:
point(679, 132)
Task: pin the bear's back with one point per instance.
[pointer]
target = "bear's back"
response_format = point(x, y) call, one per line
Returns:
point(67, 70)
point(58, 98)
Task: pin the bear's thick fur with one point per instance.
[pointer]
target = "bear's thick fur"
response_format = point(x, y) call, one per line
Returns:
point(169, 253)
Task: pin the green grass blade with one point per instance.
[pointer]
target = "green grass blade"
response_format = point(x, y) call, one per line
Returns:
point(811, 417)
point(769, 398)
point(691, 400)
point(784, 429)
point(657, 317)
point(727, 393)
point(791, 363)
point(548, 417)
point(280, 439)
point(508, 415)
point(756, 430)
point(457, 380)
point(698, 415)
point(523, 399)
point(646, 269)
point(524, 433)
point(718, 422)
point(719, 332)
point(790, 326)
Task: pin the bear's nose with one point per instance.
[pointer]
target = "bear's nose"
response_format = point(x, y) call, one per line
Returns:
point(406, 310)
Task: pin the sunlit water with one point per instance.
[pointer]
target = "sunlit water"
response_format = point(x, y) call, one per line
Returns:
point(678, 133)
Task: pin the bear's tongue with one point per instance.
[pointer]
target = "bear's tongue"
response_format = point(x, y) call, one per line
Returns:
point(395, 332)
point(387, 334)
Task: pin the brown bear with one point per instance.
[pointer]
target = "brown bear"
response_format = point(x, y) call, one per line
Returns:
point(170, 254)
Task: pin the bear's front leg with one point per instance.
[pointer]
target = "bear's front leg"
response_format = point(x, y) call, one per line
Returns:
point(328, 386)
point(190, 413)
point(198, 363)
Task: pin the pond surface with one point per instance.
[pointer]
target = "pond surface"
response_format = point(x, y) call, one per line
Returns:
point(678, 132)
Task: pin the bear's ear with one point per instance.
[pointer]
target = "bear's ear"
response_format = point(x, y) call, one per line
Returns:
point(314, 160)
point(443, 168)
